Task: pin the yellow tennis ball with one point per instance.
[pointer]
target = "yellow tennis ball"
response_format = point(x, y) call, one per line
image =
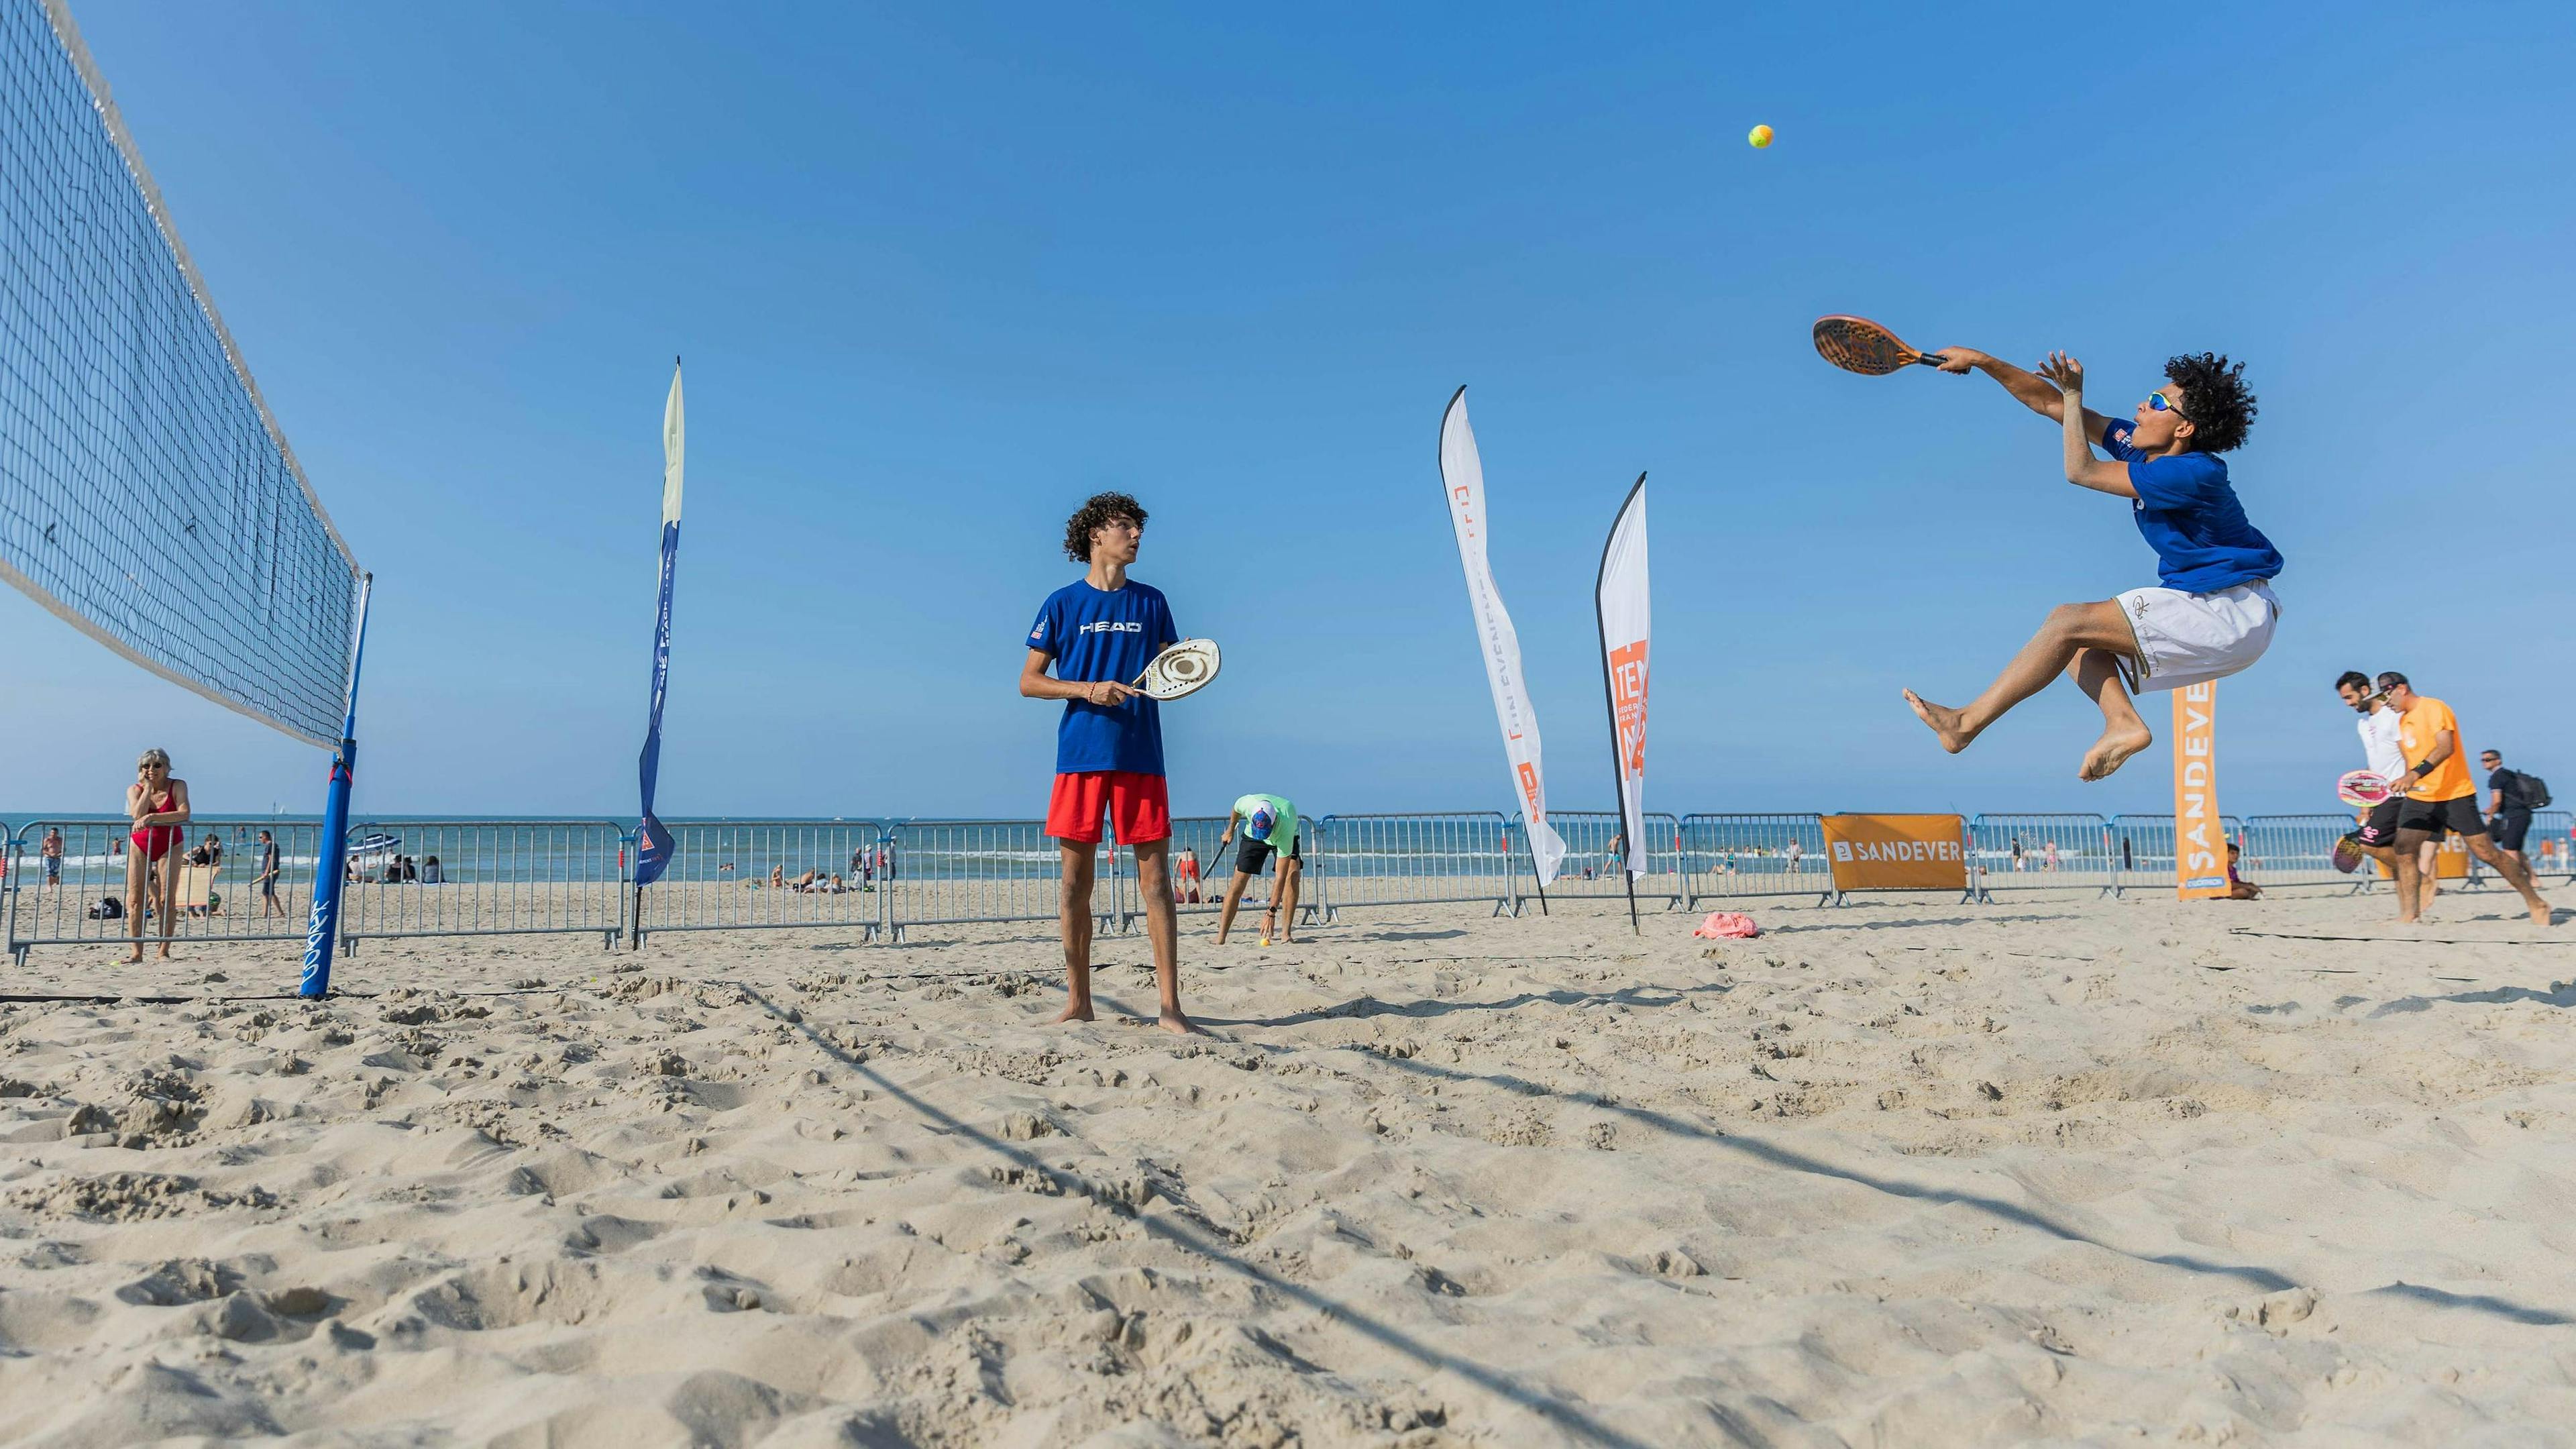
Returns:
point(1759, 136)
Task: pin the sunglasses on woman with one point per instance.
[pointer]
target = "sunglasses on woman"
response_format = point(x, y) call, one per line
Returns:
point(2163, 404)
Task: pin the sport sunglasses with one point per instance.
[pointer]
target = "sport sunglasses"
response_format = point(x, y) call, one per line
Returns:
point(2163, 404)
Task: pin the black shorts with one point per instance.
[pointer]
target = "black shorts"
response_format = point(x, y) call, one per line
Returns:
point(2511, 827)
point(2381, 827)
point(2458, 817)
point(1252, 855)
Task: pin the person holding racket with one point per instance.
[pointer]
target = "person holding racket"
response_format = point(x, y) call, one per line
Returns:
point(2385, 757)
point(2211, 614)
point(2440, 797)
point(1100, 632)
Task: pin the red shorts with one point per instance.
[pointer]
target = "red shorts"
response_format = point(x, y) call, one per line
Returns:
point(1136, 804)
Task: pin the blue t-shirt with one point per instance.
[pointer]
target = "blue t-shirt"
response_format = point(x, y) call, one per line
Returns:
point(1097, 634)
point(2191, 518)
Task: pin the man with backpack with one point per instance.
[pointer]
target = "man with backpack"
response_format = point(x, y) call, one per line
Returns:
point(2511, 797)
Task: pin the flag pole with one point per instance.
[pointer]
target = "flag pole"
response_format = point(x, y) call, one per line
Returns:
point(1610, 698)
point(330, 864)
point(653, 843)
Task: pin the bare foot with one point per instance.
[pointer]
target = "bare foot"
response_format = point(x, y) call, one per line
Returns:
point(134, 960)
point(2540, 915)
point(2405, 920)
point(1944, 722)
point(1073, 1011)
point(2112, 751)
point(1177, 1024)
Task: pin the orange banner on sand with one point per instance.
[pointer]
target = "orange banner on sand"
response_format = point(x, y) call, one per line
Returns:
point(1896, 852)
point(2200, 839)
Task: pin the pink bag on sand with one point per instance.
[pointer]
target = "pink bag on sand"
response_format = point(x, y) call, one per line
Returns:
point(1728, 926)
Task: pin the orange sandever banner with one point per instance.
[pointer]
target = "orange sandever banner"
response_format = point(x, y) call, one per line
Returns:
point(1896, 852)
point(2200, 839)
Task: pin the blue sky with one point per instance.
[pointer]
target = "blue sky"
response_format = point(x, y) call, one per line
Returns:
point(939, 272)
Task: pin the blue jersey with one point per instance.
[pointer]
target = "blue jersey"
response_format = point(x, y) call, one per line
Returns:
point(2191, 518)
point(1097, 634)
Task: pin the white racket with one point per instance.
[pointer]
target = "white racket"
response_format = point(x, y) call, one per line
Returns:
point(1184, 668)
point(2363, 788)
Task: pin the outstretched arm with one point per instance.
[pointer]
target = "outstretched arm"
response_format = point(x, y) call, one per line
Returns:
point(2028, 388)
point(2082, 468)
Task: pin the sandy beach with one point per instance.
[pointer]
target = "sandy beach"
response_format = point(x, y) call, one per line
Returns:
point(1904, 1172)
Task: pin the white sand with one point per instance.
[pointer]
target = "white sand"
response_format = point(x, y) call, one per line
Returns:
point(1905, 1173)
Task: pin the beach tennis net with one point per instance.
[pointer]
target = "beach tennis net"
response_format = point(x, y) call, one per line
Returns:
point(147, 497)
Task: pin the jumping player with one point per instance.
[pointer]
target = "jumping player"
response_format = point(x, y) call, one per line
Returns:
point(2214, 613)
point(2440, 796)
point(1100, 631)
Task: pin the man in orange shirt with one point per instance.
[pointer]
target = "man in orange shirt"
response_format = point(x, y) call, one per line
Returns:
point(2440, 797)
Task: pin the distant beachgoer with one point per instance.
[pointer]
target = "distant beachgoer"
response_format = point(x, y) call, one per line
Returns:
point(2128, 861)
point(2238, 887)
point(778, 877)
point(2511, 797)
point(52, 851)
point(2017, 862)
point(1185, 876)
point(158, 805)
point(806, 881)
point(2048, 860)
point(1270, 826)
point(432, 873)
point(269, 870)
point(209, 851)
point(1797, 856)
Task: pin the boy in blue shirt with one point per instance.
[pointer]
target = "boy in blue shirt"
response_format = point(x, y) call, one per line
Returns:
point(2214, 612)
point(1100, 632)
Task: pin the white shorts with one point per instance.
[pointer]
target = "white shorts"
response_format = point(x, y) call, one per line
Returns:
point(2188, 638)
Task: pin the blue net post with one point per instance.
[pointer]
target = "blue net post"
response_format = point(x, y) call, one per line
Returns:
point(331, 862)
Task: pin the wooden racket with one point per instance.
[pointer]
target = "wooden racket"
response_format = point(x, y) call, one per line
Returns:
point(1856, 344)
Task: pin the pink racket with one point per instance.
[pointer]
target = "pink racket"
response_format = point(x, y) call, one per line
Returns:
point(2362, 788)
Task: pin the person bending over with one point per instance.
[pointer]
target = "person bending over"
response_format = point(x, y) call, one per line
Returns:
point(2213, 611)
point(1099, 632)
point(1269, 827)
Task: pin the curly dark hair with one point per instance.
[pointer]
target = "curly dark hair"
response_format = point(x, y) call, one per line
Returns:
point(1096, 510)
point(2215, 399)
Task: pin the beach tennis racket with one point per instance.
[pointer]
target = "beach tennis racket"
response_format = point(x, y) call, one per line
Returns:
point(2362, 789)
point(1184, 668)
point(1856, 344)
point(2348, 854)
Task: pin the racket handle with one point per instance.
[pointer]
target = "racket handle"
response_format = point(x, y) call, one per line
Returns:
point(1927, 359)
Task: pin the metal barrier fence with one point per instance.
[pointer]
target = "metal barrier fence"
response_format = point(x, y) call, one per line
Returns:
point(768, 875)
point(949, 872)
point(2146, 847)
point(2551, 845)
point(90, 898)
point(1386, 860)
point(415, 878)
point(2284, 851)
point(1595, 863)
point(1735, 856)
point(2043, 851)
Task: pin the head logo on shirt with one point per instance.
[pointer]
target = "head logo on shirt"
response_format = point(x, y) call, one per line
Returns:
point(1112, 626)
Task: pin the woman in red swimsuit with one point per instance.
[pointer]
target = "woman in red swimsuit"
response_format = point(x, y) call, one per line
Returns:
point(159, 807)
